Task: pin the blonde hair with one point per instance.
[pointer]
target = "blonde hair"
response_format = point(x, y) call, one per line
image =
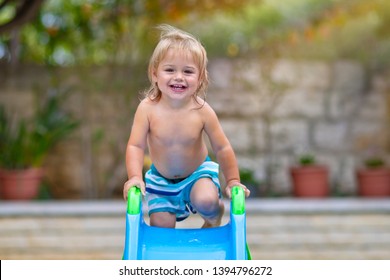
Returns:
point(172, 37)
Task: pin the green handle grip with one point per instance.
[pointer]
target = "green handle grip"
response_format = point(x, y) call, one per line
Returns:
point(238, 200)
point(134, 201)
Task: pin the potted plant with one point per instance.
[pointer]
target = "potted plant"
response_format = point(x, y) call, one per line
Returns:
point(373, 179)
point(309, 179)
point(25, 143)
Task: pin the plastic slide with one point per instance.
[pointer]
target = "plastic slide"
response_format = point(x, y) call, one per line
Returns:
point(227, 242)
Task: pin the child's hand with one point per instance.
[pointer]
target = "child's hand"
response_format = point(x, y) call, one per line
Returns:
point(232, 184)
point(134, 182)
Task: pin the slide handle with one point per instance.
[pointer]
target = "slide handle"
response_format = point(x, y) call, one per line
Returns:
point(238, 200)
point(134, 201)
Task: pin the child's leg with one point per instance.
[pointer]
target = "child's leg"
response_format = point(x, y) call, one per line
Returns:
point(205, 199)
point(163, 219)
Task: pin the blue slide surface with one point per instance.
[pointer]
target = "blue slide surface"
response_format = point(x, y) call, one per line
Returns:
point(227, 242)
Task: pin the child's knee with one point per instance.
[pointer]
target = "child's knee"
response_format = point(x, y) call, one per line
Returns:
point(204, 194)
point(207, 204)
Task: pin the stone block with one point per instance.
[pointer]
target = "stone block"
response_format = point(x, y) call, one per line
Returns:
point(315, 75)
point(349, 77)
point(341, 106)
point(237, 131)
point(375, 106)
point(220, 73)
point(235, 103)
point(248, 74)
point(311, 75)
point(287, 135)
point(285, 72)
point(258, 135)
point(331, 136)
point(300, 102)
point(367, 135)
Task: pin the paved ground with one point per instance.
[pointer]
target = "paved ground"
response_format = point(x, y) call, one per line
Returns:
point(276, 229)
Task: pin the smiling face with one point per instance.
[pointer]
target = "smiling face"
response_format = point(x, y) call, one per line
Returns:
point(177, 75)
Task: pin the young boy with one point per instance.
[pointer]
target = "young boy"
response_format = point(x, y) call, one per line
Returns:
point(171, 122)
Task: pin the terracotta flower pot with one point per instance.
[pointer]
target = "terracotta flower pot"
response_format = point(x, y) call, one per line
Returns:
point(310, 181)
point(374, 182)
point(20, 184)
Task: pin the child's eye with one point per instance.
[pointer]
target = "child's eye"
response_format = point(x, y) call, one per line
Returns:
point(189, 72)
point(169, 70)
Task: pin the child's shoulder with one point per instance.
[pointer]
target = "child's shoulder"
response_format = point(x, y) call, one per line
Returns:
point(207, 112)
point(147, 103)
point(145, 107)
point(202, 104)
point(206, 107)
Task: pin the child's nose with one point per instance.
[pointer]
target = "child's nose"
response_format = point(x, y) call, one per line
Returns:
point(179, 76)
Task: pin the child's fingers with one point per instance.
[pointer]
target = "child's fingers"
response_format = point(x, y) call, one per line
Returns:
point(228, 190)
point(142, 188)
point(129, 184)
point(246, 190)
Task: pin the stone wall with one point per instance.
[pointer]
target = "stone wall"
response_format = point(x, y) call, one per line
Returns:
point(271, 112)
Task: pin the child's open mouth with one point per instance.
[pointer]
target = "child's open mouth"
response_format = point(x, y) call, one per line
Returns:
point(178, 87)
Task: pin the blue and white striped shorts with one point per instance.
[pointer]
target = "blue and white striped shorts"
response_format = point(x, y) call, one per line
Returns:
point(167, 195)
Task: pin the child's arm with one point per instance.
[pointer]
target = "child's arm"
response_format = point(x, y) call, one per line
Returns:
point(135, 150)
point(223, 151)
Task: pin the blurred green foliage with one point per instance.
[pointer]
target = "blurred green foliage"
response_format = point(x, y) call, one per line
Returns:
point(26, 142)
point(307, 159)
point(93, 32)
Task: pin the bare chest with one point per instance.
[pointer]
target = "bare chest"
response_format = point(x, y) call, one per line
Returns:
point(171, 130)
